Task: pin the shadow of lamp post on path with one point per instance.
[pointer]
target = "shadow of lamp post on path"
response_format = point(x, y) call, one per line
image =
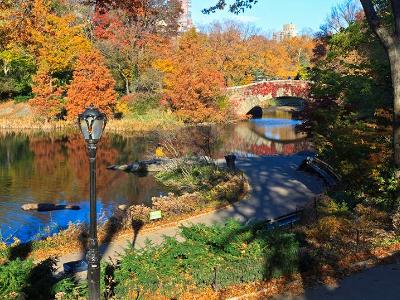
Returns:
point(92, 123)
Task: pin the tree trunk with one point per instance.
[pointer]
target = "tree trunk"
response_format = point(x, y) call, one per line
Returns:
point(127, 86)
point(394, 57)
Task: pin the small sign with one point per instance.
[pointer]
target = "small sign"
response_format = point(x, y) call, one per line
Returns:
point(154, 215)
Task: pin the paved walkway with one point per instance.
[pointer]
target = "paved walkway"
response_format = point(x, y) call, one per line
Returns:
point(277, 189)
point(378, 283)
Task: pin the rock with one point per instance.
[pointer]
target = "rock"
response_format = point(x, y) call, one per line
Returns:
point(48, 207)
point(30, 206)
point(123, 207)
point(123, 167)
point(157, 164)
point(152, 165)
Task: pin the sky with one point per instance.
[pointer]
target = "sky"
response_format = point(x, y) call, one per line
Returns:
point(270, 15)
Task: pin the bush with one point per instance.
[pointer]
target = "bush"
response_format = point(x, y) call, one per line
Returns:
point(13, 278)
point(172, 205)
point(216, 256)
point(22, 279)
point(190, 178)
point(70, 289)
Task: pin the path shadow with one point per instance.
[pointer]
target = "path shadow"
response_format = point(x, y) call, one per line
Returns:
point(137, 225)
point(20, 251)
point(40, 282)
point(39, 277)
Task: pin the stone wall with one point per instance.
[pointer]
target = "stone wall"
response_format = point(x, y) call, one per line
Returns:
point(244, 98)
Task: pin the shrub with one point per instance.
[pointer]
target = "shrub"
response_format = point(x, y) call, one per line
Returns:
point(136, 213)
point(216, 256)
point(189, 178)
point(22, 279)
point(13, 278)
point(229, 190)
point(172, 205)
point(70, 289)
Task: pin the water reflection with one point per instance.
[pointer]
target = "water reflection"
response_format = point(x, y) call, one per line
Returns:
point(53, 168)
point(45, 168)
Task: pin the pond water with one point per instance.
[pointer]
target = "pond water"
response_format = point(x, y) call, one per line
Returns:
point(39, 167)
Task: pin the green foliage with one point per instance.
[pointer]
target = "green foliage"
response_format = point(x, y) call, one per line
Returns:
point(143, 103)
point(216, 256)
point(356, 70)
point(22, 279)
point(351, 118)
point(17, 81)
point(13, 278)
point(70, 289)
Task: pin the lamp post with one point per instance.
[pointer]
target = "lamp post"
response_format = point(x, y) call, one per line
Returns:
point(92, 123)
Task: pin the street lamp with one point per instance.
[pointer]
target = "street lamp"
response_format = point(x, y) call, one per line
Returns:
point(92, 123)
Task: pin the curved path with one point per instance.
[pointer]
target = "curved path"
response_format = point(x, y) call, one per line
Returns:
point(277, 189)
point(379, 283)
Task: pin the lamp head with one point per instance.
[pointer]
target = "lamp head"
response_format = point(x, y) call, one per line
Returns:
point(92, 123)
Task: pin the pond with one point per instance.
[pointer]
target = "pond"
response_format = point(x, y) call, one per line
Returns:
point(39, 167)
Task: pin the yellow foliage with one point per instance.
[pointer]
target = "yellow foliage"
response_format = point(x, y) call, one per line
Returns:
point(122, 107)
point(58, 43)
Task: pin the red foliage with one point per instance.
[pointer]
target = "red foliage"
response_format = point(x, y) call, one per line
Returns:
point(271, 88)
point(92, 84)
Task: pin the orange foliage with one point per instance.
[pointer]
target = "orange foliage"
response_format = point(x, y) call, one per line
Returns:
point(193, 85)
point(48, 96)
point(55, 41)
point(231, 53)
point(92, 84)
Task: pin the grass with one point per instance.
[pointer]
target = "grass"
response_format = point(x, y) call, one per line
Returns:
point(153, 120)
point(19, 116)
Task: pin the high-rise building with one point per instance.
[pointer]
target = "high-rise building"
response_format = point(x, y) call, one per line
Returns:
point(288, 31)
point(186, 17)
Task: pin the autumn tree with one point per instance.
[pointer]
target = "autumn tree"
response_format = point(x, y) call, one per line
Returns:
point(92, 84)
point(232, 56)
point(125, 32)
point(193, 84)
point(48, 100)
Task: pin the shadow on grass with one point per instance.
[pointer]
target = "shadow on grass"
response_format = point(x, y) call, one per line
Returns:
point(20, 251)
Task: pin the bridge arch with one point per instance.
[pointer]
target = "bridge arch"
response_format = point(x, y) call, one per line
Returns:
point(244, 98)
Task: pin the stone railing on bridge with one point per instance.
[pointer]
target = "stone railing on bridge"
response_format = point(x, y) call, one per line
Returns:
point(244, 98)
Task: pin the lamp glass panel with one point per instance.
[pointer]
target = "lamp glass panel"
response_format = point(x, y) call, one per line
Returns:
point(84, 128)
point(97, 130)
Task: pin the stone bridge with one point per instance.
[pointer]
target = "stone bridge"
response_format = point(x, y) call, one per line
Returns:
point(246, 97)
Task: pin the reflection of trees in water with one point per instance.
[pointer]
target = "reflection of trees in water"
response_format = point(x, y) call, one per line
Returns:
point(243, 139)
point(205, 140)
point(15, 161)
point(217, 141)
point(53, 168)
point(134, 148)
point(13, 147)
